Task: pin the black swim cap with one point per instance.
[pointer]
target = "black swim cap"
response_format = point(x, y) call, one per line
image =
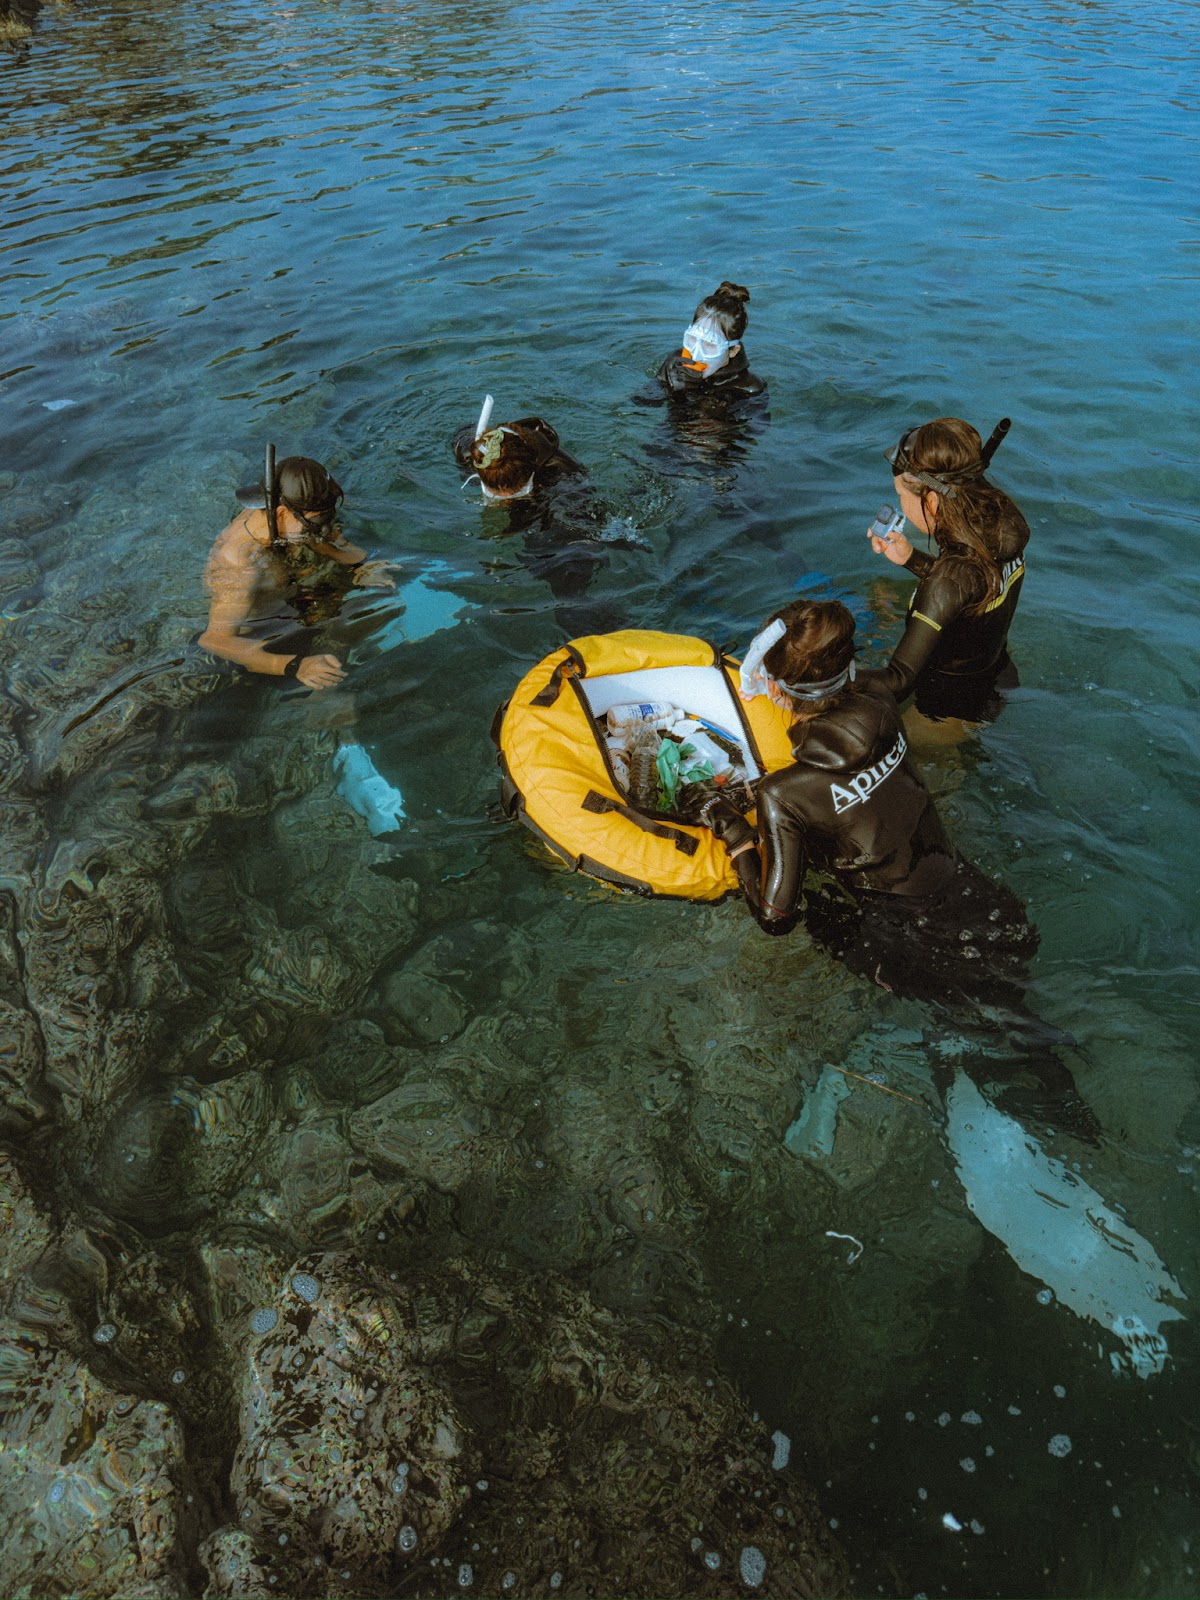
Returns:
point(301, 484)
point(304, 485)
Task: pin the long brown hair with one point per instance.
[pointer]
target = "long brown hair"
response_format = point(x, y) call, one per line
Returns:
point(819, 644)
point(978, 523)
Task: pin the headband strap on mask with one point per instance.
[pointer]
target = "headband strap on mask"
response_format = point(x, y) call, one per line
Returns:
point(515, 494)
point(823, 688)
point(944, 482)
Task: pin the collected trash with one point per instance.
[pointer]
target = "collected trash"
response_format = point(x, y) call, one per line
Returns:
point(668, 761)
point(367, 791)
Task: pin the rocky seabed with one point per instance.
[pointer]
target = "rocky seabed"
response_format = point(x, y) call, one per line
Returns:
point(261, 1332)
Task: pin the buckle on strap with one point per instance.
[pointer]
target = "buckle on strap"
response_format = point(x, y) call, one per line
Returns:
point(571, 666)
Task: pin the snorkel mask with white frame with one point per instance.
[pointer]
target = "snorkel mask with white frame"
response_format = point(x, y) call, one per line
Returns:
point(705, 348)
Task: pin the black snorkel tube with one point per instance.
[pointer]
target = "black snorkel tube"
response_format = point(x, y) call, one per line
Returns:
point(994, 442)
point(271, 493)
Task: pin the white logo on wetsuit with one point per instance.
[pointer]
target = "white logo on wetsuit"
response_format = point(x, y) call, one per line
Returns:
point(864, 784)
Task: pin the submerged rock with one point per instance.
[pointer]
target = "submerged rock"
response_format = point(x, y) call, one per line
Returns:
point(398, 1430)
point(90, 1482)
point(346, 1438)
point(91, 1476)
point(414, 1007)
point(428, 1128)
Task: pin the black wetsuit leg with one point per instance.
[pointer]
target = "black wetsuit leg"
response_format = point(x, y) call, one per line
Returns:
point(965, 953)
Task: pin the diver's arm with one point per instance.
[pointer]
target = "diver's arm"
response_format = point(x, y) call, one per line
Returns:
point(231, 603)
point(935, 604)
point(232, 600)
point(769, 864)
point(341, 551)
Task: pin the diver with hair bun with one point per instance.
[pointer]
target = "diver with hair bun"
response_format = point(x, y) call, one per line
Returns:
point(522, 469)
point(714, 404)
point(712, 360)
point(954, 651)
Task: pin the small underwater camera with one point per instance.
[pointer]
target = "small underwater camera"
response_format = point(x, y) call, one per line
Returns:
point(888, 523)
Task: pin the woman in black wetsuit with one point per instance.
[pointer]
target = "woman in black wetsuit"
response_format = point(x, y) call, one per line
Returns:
point(853, 808)
point(712, 361)
point(714, 403)
point(892, 898)
point(954, 651)
point(522, 467)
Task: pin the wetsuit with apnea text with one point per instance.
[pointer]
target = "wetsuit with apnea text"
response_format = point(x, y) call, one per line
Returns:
point(953, 655)
point(851, 805)
point(893, 899)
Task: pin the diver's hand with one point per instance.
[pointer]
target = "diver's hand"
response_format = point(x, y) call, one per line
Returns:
point(727, 822)
point(320, 672)
point(376, 574)
point(897, 548)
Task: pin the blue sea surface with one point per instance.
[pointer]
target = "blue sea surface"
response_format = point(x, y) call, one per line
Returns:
point(335, 227)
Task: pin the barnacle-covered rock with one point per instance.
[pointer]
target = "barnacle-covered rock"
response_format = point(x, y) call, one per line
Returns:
point(615, 1466)
point(411, 1433)
point(90, 1476)
point(346, 1438)
point(24, 1230)
point(90, 1481)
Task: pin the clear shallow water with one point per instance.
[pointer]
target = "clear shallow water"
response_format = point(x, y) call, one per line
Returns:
point(336, 229)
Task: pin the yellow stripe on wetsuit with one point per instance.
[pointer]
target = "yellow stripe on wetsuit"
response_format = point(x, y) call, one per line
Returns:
point(1009, 579)
point(919, 616)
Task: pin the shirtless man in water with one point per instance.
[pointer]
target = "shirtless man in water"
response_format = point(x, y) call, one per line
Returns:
point(268, 594)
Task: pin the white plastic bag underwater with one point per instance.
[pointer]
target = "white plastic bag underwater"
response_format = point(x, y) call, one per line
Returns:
point(1057, 1228)
point(365, 789)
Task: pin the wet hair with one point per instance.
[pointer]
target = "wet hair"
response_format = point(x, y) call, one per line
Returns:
point(819, 644)
point(979, 524)
point(504, 459)
point(304, 485)
point(726, 305)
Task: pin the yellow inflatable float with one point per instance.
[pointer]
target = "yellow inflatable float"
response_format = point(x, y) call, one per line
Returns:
point(558, 773)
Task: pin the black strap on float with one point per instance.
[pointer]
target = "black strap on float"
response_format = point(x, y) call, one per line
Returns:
point(571, 666)
point(600, 804)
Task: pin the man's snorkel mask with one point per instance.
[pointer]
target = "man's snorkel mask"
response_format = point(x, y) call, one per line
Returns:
point(705, 348)
point(901, 462)
point(308, 492)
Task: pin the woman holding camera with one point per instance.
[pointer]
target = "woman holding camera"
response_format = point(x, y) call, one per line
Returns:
point(954, 653)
